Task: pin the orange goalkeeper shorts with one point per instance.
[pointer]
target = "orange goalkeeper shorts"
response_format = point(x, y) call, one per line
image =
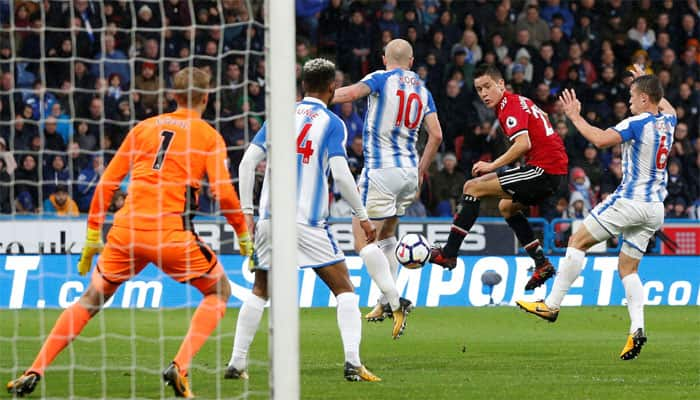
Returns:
point(180, 254)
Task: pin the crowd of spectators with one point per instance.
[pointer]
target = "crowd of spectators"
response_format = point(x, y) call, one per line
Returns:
point(76, 75)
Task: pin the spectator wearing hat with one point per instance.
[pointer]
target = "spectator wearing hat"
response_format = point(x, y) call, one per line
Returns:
point(522, 59)
point(148, 22)
point(580, 183)
point(518, 81)
point(60, 203)
point(577, 207)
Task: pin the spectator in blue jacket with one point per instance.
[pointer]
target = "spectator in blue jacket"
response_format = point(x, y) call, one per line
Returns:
point(352, 120)
point(87, 181)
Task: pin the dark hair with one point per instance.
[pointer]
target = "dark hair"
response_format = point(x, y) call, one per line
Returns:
point(651, 86)
point(488, 69)
point(318, 75)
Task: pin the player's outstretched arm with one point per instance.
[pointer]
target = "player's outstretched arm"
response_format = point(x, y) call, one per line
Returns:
point(350, 93)
point(432, 125)
point(346, 184)
point(600, 138)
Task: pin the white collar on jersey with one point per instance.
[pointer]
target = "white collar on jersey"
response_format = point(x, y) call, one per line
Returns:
point(308, 99)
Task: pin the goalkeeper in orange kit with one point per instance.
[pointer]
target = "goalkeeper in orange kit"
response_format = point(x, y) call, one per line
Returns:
point(167, 156)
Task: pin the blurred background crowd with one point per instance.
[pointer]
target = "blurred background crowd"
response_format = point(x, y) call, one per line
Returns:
point(78, 74)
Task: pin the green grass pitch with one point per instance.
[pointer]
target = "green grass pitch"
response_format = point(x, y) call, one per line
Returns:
point(446, 353)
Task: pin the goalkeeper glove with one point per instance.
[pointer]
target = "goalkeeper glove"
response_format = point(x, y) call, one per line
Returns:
point(93, 245)
point(245, 244)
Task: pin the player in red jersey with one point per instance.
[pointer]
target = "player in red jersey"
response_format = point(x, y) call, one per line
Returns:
point(532, 136)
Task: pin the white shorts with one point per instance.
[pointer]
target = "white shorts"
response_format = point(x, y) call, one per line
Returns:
point(387, 192)
point(635, 220)
point(316, 247)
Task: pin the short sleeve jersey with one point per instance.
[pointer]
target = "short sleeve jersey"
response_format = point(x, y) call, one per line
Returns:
point(646, 142)
point(320, 135)
point(397, 104)
point(518, 115)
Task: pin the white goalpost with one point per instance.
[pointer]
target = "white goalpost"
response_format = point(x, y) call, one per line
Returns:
point(281, 94)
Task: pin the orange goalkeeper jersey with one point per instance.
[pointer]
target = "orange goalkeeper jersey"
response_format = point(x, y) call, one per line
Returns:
point(167, 155)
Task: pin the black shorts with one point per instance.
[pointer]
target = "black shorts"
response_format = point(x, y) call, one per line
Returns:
point(528, 184)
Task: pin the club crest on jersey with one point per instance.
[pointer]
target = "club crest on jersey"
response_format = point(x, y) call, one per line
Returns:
point(511, 122)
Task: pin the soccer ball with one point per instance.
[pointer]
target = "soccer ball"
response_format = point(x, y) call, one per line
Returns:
point(413, 250)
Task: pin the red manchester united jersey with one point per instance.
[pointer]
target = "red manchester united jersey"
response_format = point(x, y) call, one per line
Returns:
point(519, 115)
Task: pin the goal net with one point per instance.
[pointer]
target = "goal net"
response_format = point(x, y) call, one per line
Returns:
point(77, 75)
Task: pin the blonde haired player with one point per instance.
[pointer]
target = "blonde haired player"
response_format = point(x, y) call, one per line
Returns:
point(398, 105)
point(167, 157)
point(635, 209)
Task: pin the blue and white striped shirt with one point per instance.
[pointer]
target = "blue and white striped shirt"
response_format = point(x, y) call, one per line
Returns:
point(396, 106)
point(646, 143)
point(321, 135)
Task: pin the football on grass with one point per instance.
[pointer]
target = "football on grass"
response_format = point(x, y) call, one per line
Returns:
point(413, 250)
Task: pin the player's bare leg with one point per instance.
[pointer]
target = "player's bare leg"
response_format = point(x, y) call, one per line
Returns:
point(216, 290)
point(337, 279)
point(634, 293)
point(512, 212)
point(467, 212)
point(68, 326)
point(247, 325)
point(387, 243)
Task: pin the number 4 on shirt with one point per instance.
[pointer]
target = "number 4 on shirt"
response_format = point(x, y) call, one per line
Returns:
point(306, 150)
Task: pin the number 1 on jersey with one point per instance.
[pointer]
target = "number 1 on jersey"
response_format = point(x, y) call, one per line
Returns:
point(306, 151)
point(167, 137)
